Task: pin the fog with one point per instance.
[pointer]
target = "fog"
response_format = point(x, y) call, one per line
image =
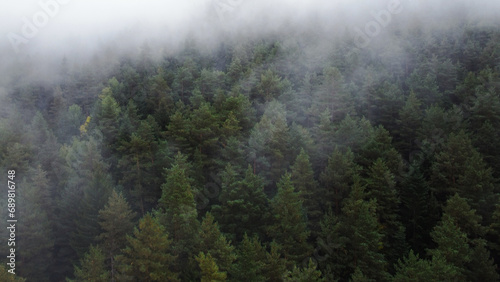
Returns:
point(45, 31)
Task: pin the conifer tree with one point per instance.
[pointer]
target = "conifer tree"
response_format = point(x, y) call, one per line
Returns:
point(35, 238)
point(92, 267)
point(459, 168)
point(413, 268)
point(410, 117)
point(250, 263)
point(416, 209)
point(116, 221)
point(177, 206)
point(147, 256)
point(215, 244)
point(337, 178)
point(290, 227)
point(356, 238)
point(244, 208)
point(209, 269)
point(306, 274)
point(303, 180)
point(381, 186)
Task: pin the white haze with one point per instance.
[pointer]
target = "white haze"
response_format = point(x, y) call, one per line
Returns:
point(82, 28)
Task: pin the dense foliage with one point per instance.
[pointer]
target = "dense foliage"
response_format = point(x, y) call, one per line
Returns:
point(264, 161)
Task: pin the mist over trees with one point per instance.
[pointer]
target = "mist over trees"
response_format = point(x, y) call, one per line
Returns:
point(311, 149)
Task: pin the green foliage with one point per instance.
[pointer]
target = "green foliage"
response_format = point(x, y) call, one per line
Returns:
point(116, 221)
point(147, 256)
point(209, 269)
point(356, 239)
point(381, 187)
point(215, 244)
point(337, 178)
point(9, 277)
point(412, 268)
point(244, 208)
point(251, 261)
point(460, 168)
point(290, 227)
point(92, 267)
point(302, 176)
point(306, 274)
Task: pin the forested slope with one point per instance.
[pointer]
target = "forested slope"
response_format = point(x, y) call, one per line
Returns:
point(263, 160)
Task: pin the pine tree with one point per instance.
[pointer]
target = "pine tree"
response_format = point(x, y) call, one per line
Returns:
point(137, 163)
point(412, 268)
point(177, 204)
point(244, 208)
point(381, 186)
point(116, 221)
point(147, 256)
point(303, 180)
point(337, 178)
point(209, 269)
point(416, 209)
point(215, 244)
point(452, 244)
point(290, 227)
point(356, 238)
point(250, 263)
point(459, 168)
point(92, 267)
point(306, 274)
point(410, 117)
point(177, 212)
point(35, 238)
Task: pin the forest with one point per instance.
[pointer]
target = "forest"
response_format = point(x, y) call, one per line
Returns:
point(278, 157)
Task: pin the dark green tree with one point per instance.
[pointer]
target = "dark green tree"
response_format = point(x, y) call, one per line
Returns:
point(147, 256)
point(290, 226)
point(303, 180)
point(209, 269)
point(244, 208)
point(381, 187)
point(92, 267)
point(215, 244)
point(116, 221)
point(337, 179)
point(251, 261)
point(306, 274)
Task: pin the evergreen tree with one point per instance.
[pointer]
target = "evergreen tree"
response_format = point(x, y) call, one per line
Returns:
point(381, 186)
point(416, 209)
point(356, 238)
point(410, 117)
point(116, 221)
point(250, 263)
point(306, 274)
point(290, 227)
point(244, 208)
point(303, 180)
point(337, 178)
point(460, 168)
point(92, 267)
point(215, 244)
point(35, 237)
point(412, 268)
point(209, 269)
point(147, 256)
point(452, 244)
